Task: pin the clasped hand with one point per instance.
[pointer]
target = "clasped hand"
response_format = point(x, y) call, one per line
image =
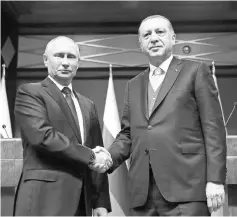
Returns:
point(103, 160)
point(215, 196)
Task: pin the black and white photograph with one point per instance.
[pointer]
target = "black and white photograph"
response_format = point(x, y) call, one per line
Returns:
point(118, 108)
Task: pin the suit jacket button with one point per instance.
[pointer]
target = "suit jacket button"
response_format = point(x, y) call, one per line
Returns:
point(146, 151)
point(149, 127)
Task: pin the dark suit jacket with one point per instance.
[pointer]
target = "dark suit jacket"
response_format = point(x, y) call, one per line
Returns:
point(54, 162)
point(184, 138)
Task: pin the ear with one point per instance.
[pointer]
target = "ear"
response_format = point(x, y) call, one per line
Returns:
point(78, 63)
point(45, 58)
point(173, 38)
point(140, 44)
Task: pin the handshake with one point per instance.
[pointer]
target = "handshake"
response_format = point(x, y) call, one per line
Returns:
point(102, 161)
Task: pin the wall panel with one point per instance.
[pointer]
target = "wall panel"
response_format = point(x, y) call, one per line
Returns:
point(123, 50)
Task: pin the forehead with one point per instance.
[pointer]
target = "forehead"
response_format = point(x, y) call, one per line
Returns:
point(63, 46)
point(154, 23)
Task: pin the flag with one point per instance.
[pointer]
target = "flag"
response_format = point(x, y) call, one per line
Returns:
point(118, 179)
point(5, 121)
point(215, 81)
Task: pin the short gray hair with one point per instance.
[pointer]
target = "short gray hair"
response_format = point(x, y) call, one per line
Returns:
point(156, 16)
point(48, 46)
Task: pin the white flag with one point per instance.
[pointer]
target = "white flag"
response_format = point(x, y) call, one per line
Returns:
point(118, 179)
point(5, 121)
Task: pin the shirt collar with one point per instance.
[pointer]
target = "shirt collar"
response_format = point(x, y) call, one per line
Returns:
point(60, 87)
point(164, 66)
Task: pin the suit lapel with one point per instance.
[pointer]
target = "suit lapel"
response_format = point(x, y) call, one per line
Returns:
point(171, 76)
point(85, 113)
point(56, 94)
point(144, 94)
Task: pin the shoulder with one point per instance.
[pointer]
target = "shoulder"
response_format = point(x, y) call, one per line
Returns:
point(30, 91)
point(30, 87)
point(139, 76)
point(194, 63)
point(195, 67)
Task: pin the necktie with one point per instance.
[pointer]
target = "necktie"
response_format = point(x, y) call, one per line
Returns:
point(157, 71)
point(67, 92)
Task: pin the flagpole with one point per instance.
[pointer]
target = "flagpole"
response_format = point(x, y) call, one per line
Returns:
point(110, 70)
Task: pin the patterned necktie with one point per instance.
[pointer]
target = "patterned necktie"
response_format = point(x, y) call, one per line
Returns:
point(157, 71)
point(67, 92)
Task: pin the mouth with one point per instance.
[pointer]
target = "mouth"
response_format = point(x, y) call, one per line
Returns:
point(155, 47)
point(65, 71)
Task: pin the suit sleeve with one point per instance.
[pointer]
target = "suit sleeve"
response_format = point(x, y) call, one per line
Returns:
point(120, 149)
point(100, 183)
point(212, 124)
point(32, 117)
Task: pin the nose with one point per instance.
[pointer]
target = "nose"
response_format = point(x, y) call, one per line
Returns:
point(154, 37)
point(65, 61)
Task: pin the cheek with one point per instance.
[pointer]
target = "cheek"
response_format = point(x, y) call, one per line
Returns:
point(144, 46)
point(75, 65)
point(167, 43)
point(56, 65)
point(74, 69)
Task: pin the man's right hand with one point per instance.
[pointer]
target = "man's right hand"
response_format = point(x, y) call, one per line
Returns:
point(103, 160)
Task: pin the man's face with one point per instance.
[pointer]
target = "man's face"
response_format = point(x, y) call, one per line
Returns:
point(156, 38)
point(62, 60)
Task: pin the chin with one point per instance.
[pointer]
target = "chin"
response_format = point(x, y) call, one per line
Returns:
point(156, 54)
point(66, 75)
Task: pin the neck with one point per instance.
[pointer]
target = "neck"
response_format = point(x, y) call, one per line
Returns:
point(63, 82)
point(156, 61)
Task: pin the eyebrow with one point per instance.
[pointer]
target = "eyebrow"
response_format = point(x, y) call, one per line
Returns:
point(63, 53)
point(147, 31)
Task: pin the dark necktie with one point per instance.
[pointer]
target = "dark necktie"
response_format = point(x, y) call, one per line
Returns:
point(67, 92)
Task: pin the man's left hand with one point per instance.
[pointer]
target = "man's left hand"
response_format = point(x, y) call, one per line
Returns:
point(100, 211)
point(215, 196)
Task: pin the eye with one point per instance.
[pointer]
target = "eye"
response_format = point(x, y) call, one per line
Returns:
point(146, 35)
point(161, 32)
point(71, 56)
point(59, 55)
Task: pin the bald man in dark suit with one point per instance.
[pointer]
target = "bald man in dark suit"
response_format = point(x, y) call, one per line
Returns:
point(59, 130)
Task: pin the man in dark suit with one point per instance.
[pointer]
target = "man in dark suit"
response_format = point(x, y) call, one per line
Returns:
point(172, 128)
point(59, 130)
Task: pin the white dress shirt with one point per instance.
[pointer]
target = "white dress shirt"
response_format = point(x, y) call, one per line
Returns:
point(157, 80)
point(77, 106)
